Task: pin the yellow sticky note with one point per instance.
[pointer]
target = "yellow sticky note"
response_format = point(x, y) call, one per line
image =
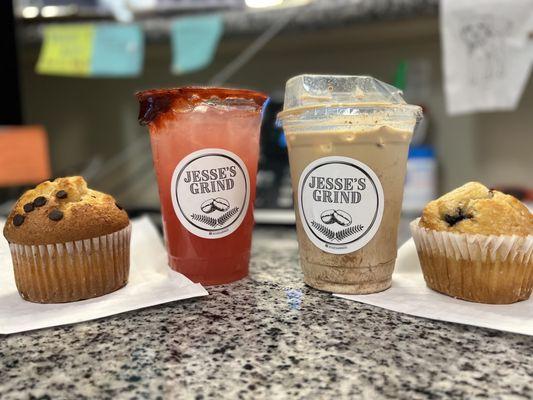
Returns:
point(67, 50)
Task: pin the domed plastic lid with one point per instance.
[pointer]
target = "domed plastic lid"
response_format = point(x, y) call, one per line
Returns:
point(310, 91)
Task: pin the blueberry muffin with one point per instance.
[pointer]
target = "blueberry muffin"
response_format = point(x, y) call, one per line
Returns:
point(68, 242)
point(476, 244)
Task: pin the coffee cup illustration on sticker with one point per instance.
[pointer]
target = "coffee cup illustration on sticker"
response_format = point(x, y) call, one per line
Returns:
point(340, 202)
point(210, 192)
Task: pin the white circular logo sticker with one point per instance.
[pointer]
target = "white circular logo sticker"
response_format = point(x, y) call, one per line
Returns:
point(210, 192)
point(341, 204)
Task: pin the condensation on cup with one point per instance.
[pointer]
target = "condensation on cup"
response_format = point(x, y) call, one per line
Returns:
point(348, 140)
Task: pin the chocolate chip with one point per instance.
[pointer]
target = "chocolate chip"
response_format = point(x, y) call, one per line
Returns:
point(18, 219)
point(28, 207)
point(119, 206)
point(455, 218)
point(39, 201)
point(55, 215)
point(47, 180)
point(61, 194)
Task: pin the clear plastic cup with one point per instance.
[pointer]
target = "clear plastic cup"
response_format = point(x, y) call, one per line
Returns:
point(348, 139)
point(205, 143)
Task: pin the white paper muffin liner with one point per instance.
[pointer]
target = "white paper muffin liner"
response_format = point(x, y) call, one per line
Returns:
point(82, 269)
point(482, 268)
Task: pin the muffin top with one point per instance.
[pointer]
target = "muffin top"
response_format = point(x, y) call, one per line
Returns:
point(475, 209)
point(63, 210)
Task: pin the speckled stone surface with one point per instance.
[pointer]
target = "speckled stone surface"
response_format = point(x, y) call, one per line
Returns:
point(267, 336)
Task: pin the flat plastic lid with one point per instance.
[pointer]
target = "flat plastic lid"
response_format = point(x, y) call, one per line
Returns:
point(308, 91)
point(156, 103)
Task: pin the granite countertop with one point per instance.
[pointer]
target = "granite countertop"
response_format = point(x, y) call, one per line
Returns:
point(267, 336)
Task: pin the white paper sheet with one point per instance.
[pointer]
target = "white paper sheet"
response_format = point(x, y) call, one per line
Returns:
point(410, 295)
point(487, 53)
point(151, 282)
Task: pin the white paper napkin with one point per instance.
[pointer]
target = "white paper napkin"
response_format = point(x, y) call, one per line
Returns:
point(487, 53)
point(151, 282)
point(410, 295)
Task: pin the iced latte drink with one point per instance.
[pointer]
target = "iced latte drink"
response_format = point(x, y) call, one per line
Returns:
point(348, 138)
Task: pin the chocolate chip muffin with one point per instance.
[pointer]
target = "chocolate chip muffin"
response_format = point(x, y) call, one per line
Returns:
point(68, 242)
point(476, 244)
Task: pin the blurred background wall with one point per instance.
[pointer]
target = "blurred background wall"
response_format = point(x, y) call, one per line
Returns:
point(88, 117)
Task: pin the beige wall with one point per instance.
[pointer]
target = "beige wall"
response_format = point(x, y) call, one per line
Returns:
point(87, 117)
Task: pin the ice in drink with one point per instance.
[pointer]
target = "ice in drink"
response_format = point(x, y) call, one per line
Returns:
point(205, 145)
point(348, 139)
